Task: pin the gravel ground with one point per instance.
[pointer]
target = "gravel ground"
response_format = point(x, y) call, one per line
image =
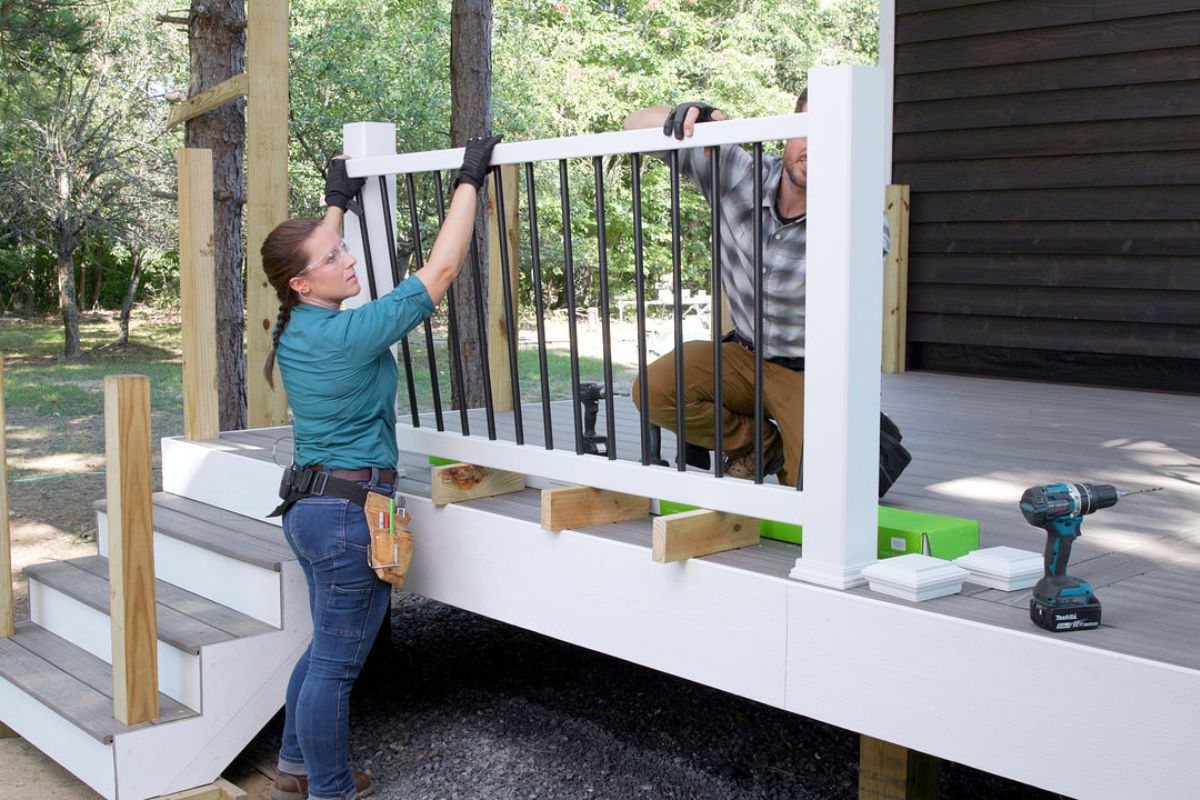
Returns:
point(466, 708)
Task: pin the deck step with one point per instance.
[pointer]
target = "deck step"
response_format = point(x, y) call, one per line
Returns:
point(225, 532)
point(73, 683)
point(186, 621)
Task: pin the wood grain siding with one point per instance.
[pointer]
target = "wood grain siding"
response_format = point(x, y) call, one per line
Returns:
point(1053, 150)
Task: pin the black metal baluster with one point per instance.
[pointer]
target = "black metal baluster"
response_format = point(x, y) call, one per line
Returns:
point(417, 247)
point(366, 241)
point(677, 290)
point(391, 242)
point(564, 190)
point(509, 317)
point(455, 352)
point(535, 249)
point(605, 324)
point(480, 315)
point(715, 315)
point(635, 165)
point(759, 341)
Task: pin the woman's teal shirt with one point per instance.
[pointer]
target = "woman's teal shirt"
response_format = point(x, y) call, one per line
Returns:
point(340, 377)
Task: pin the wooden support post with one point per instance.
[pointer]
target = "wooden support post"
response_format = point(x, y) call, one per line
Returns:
point(453, 483)
point(131, 548)
point(895, 280)
point(888, 771)
point(197, 295)
point(689, 534)
point(7, 625)
point(266, 193)
point(497, 327)
point(581, 506)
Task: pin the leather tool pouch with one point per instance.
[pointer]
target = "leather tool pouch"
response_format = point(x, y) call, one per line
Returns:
point(391, 541)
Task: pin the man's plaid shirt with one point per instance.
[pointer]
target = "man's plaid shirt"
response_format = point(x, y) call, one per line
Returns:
point(784, 244)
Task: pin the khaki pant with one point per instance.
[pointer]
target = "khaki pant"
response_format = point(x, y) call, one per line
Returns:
point(783, 401)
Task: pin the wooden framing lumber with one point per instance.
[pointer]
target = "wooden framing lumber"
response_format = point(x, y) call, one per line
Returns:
point(453, 483)
point(208, 100)
point(6, 595)
point(895, 280)
point(220, 789)
point(581, 506)
point(890, 772)
point(266, 193)
point(497, 326)
point(131, 548)
point(197, 295)
point(688, 534)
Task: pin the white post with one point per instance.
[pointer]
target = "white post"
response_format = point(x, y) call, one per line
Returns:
point(364, 140)
point(843, 325)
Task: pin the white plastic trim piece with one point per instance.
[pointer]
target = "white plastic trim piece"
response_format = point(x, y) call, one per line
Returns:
point(645, 140)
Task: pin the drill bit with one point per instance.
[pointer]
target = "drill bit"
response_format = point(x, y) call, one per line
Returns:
point(1139, 491)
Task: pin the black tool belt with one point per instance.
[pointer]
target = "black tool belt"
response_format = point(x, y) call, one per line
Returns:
point(300, 482)
point(794, 363)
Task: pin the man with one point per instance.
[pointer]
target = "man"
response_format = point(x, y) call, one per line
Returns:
point(784, 216)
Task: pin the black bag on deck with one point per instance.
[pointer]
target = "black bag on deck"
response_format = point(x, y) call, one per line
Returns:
point(893, 457)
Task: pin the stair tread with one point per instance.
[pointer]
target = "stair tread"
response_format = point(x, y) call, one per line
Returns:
point(71, 682)
point(185, 620)
point(218, 530)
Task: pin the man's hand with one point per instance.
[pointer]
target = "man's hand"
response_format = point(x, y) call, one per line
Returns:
point(476, 159)
point(681, 120)
point(340, 188)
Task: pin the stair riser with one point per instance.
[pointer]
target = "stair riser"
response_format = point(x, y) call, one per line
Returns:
point(247, 588)
point(91, 630)
point(88, 759)
point(220, 478)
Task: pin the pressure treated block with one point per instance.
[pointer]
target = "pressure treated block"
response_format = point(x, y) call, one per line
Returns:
point(890, 772)
point(453, 483)
point(688, 534)
point(581, 506)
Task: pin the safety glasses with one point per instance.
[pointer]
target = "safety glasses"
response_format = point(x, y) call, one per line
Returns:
point(328, 259)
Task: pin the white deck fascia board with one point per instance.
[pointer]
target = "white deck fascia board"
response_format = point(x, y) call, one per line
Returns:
point(209, 473)
point(994, 698)
point(705, 622)
point(645, 140)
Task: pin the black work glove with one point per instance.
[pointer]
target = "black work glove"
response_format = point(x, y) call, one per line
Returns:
point(674, 122)
point(340, 188)
point(476, 160)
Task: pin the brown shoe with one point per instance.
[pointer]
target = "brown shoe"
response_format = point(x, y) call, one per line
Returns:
point(743, 465)
point(295, 787)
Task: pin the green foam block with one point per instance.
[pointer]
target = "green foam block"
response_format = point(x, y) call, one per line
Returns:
point(899, 531)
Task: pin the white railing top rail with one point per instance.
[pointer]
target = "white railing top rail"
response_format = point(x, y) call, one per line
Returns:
point(645, 140)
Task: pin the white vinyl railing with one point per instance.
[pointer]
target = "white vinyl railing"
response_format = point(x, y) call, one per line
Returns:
point(846, 127)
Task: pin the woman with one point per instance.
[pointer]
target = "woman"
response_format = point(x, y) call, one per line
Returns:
point(341, 380)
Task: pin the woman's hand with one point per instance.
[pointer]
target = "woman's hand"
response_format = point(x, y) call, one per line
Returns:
point(340, 188)
point(476, 160)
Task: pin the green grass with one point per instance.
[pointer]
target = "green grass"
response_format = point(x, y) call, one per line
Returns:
point(37, 380)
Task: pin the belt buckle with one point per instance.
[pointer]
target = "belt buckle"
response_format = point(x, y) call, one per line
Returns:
point(319, 481)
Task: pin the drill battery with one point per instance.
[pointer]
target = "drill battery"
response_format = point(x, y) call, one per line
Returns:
point(1062, 617)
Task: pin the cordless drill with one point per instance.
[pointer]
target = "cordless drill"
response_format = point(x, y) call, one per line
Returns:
point(1061, 603)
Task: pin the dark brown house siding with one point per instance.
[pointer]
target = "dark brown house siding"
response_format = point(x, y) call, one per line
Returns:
point(1053, 149)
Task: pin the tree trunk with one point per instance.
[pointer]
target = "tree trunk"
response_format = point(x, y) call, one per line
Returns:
point(471, 115)
point(217, 45)
point(135, 278)
point(97, 284)
point(68, 305)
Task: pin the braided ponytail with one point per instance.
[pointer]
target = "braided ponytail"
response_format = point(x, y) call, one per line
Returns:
point(282, 260)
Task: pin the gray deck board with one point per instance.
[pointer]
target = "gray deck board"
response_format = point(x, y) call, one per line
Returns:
point(93, 672)
point(174, 627)
point(977, 443)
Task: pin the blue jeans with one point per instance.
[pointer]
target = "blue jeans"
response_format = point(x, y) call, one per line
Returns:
point(348, 603)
